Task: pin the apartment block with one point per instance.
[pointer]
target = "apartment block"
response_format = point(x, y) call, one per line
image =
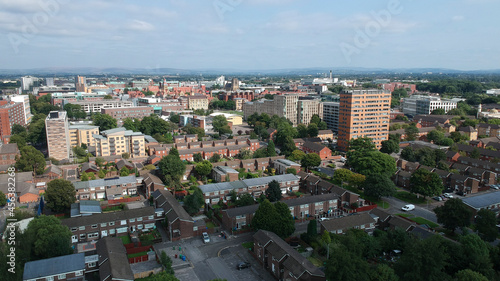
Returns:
point(57, 131)
point(138, 112)
point(118, 141)
point(295, 109)
point(196, 102)
point(363, 113)
point(82, 134)
point(25, 100)
point(418, 104)
point(331, 115)
point(10, 113)
point(111, 188)
point(98, 105)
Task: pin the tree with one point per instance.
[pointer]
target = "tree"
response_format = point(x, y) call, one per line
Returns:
point(31, 160)
point(310, 160)
point(341, 175)
point(361, 144)
point(356, 180)
point(102, 174)
point(315, 119)
point(389, 146)
point(475, 153)
point(477, 255)
point(75, 111)
point(3, 199)
point(346, 265)
point(215, 158)
point(19, 139)
point(108, 97)
point(312, 130)
point(426, 183)
point(104, 121)
point(79, 151)
point(285, 224)
point(435, 136)
point(273, 191)
point(271, 150)
point(124, 172)
point(438, 111)
point(312, 229)
point(454, 213)
point(176, 118)
point(322, 125)
point(373, 162)
point(99, 161)
point(166, 262)
point(469, 275)
point(245, 200)
point(302, 131)
point(287, 146)
point(408, 154)
point(60, 195)
point(204, 168)
point(172, 168)
point(297, 155)
point(193, 202)
point(383, 272)
point(275, 218)
point(125, 155)
point(220, 125)
point(48, 237)
point(486, 225)
point(291, 171)
point(84, 176)
point(411, 132)
point(197, 157)
point(378, 186)
point(18, 129)
point(244, 154)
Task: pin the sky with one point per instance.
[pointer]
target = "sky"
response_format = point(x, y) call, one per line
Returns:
point(250, 34)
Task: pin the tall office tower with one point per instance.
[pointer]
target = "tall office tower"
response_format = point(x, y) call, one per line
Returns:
point(331, 115)
point(57, 129)
point(80, 84)
point(235, 84)
point(27, 82)
point(49, 81)
point(364, 113)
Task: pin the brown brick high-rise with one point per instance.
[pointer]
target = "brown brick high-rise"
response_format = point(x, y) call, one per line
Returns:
point(364, 113)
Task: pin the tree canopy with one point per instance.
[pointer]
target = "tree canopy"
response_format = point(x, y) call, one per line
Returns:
point(172, 168)
point(454, 213)
point(310, 160)
point(31, 160)
point(274, 217)
point(378, 186)
point(273, 191)
point(104, 121)
point(424, 182)
point(373, 162)
point(60, 195)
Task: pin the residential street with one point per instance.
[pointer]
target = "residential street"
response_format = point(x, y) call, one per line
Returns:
point(420, 211)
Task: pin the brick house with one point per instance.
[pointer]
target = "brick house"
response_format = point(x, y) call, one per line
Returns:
point(68, 267)
point(53, 172)
point(402, 179)
point(215, 192)
point(193, 145)
point(325, 134)
point(111, 188)
point(89, 228)
point(8, 153)
point(224, 174)
point(180, 223)
point(363, 221)
point(464, 183)
point(281, 165)
point(284, 262)
point(25, 189)
point(432, 120)
point(484, 129)
point(90, 168)
point(444, 176)
point(151, 183)
point(248, 165)
point(191, 138)
point(411, 167)
point(113, 261)
point(312, 147)
point(483, 176)
point(318, 206)
point(310, 184)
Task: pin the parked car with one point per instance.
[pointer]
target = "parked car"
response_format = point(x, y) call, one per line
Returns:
point(461, 193)
point(494, 186)
point(448, 195)
point(324, 219)
point(243, 265)
point(408, 207)
point(438, 198)
point(206, 238)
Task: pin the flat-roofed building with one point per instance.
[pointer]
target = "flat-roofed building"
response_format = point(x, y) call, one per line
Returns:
point(118, 141)
point(79, 134)
point(57, 131)
point(138, 112)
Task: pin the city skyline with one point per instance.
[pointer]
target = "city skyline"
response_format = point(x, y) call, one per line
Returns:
point(248, 35)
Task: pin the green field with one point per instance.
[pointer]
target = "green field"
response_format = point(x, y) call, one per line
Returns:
point(409, 197)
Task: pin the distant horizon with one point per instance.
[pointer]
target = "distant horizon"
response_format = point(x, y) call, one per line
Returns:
point(250, 35)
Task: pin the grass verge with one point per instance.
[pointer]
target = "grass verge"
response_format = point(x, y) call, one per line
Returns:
point(410, 198)
point(247, 245)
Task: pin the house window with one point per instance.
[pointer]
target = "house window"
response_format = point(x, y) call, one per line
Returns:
point(112, 231)
point(81, 228)
point(111, 223)
point(139, 219)
point(73, 229)
point(94, 226)
point(140, 226)
point(92, 264)
point(82, 236)
point(93, 235)
point(61, 276)
point(123, 222)
point(103, 224)
point(79, 273)
point(151, 217)
point(131, 220)
point(51, 278)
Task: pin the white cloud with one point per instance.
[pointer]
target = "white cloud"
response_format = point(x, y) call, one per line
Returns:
point(139, 25)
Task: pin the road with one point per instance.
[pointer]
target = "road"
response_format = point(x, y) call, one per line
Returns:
point(420, 211)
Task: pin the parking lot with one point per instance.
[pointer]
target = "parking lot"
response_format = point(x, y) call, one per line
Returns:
point(232, 256)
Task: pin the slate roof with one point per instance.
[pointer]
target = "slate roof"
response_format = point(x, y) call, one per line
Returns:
point(246, 183)
point(381, 214)
point(287, 162)
point(53, 169)
point(483, 200)
point(348, 222)
point(399, 222)
point(113, 261)
point(85, 207)
point(107, 217)
point(86, 166)
point(171, 206)
point(295, 262)
point(9, 148)
point(54, 266)
point(105, 182)
point(314, 146)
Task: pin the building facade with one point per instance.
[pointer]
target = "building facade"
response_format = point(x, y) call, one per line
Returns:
point(418, 104)
point(82, 134)
point(10, 113)
point(118, 141)
point(363, 113)
point(25, 100)
point(138, 112)
point(331, 115)
point(57, 130)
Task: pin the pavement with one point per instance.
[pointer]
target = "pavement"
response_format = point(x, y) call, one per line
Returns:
point(425, 212)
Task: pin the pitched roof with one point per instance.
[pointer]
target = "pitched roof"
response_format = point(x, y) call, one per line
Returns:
point(325, 132)
point(399, 222)
point(246, 183)
point(54, 266)
point(87, 165)
point(171, 206)
point(113, 261)
point(483, 200)
point(348, 222)
point(468, 129)
point(295, 262)
point(381, 214)
point(107, 217)
point(53, 169)
point(104, 182)
point(9, 148)
point(314, 146)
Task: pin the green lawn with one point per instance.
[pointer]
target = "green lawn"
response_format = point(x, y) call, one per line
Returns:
point(247, 245)
point(137, 254)
point(420, 220)
point(409, 197)
point(125, 239)
point(210, 224)
point(405, 215)
point(315, 261)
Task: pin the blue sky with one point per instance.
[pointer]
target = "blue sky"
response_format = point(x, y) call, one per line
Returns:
point(250, 34)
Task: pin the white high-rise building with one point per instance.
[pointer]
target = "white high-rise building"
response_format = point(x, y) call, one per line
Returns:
point(27, 82)
point(25, 100)
point(418, 104)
